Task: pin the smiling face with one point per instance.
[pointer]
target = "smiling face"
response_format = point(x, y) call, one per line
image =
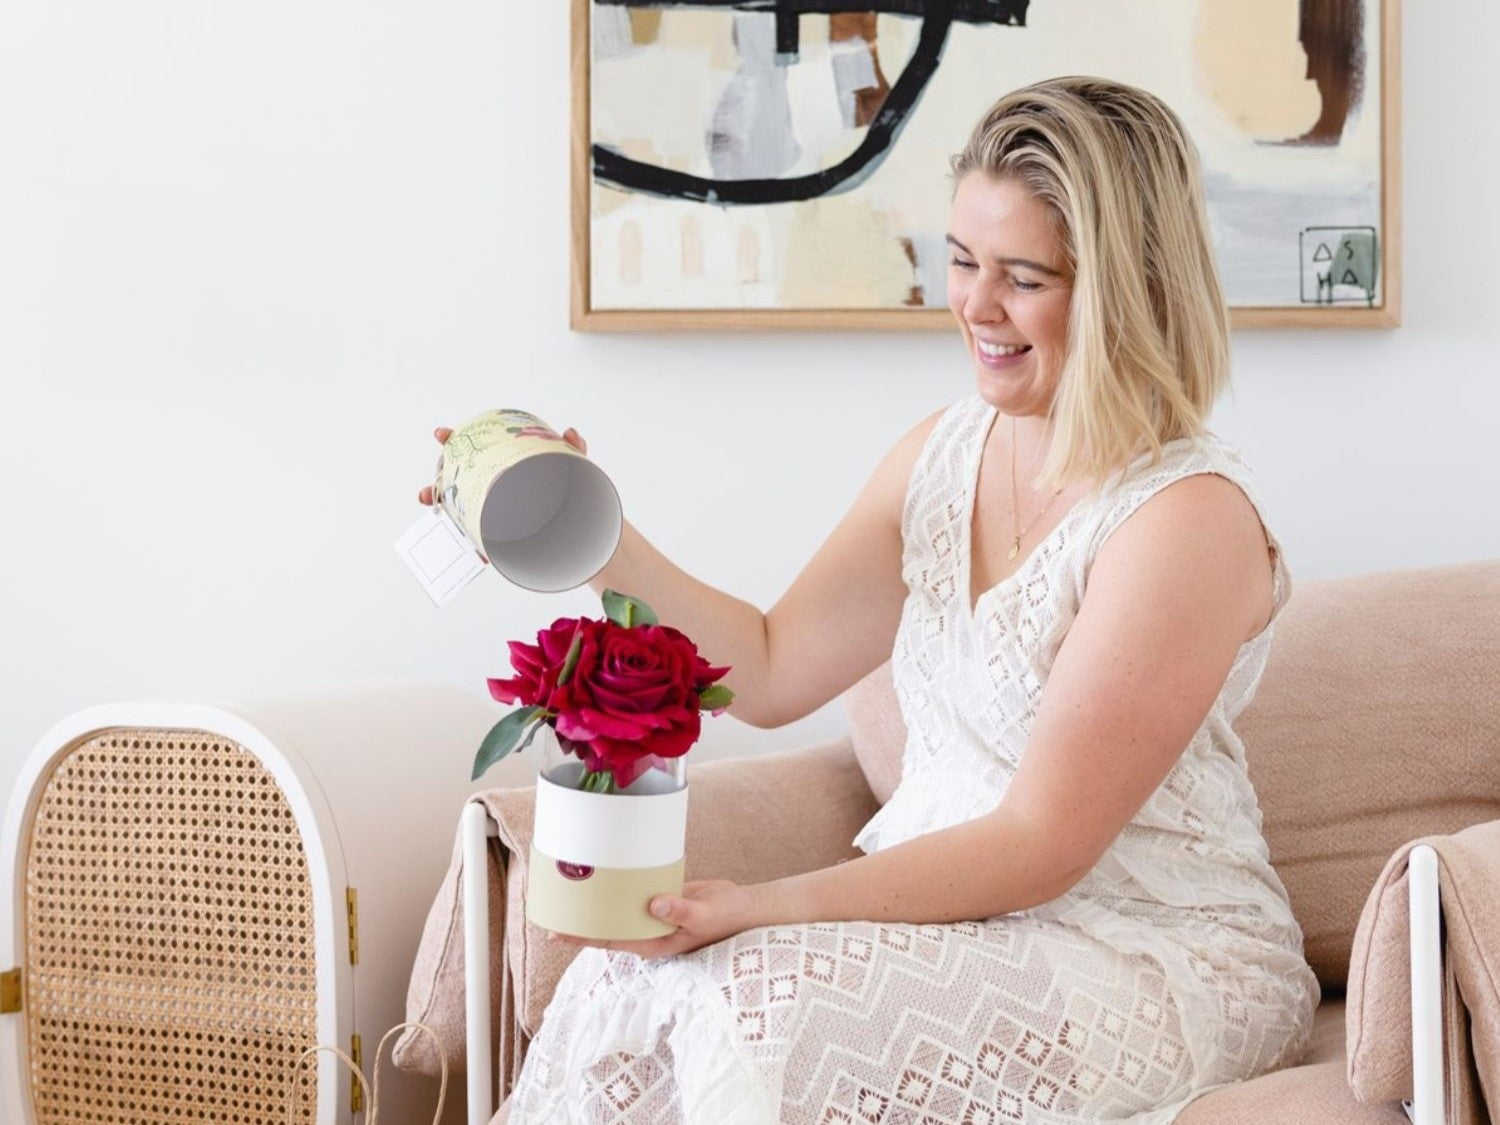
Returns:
point(1009, 287)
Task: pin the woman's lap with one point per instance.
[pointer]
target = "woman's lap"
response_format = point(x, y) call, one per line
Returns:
point(1007, 1020)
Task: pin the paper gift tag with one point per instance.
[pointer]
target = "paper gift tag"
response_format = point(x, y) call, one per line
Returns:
point(440, 555)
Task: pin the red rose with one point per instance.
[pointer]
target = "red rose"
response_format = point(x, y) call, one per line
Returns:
point(634, 698)
point(538, 667)
point(623, 694)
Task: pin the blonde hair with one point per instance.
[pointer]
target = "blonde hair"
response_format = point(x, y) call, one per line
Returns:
point(1148, 332)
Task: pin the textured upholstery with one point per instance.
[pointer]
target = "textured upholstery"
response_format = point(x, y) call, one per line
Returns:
point(1377, 722)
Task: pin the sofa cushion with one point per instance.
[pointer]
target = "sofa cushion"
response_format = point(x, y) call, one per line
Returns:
point(1314, 1093)
point(1375, 723)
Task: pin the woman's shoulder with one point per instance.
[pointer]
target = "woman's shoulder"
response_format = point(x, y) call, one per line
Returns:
point(1198, 494)
point(1195, 455)
point(1190, 485)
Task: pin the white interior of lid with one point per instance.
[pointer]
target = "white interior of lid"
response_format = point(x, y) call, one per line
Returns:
point(551, 522)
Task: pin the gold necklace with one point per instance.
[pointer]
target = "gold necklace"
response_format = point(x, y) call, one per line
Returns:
point(1015, 502)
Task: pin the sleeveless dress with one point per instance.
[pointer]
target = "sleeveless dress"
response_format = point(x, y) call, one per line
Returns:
point(1173, 967)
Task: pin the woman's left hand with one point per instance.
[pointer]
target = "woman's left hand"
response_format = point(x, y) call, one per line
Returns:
point(707, 911)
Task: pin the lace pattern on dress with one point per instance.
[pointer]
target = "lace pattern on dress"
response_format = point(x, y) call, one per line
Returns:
point(1172, 967)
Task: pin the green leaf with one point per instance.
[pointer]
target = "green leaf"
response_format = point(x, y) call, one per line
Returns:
point(715, 697)
point(502, 739)
point(627, 611)
point(570, 661)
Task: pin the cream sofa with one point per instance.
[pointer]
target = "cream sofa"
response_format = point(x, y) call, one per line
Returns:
point(1377, 724)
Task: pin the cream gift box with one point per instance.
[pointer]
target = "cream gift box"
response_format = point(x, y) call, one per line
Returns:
point(598, 858)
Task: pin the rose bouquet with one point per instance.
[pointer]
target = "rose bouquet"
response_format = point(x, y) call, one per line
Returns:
point(623, 693)
point(618, 702)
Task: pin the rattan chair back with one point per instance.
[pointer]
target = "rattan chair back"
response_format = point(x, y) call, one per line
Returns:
point(169, 936)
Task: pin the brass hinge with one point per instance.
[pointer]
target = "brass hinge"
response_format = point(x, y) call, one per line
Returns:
point(10, 992)
point(356, 1084)
point(351, 907)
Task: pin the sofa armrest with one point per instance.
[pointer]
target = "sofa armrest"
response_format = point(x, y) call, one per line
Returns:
point(1379, 1014)
point(750, 819)
point(773, 815)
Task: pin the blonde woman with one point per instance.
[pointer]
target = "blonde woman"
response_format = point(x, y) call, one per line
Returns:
point(1065, 912)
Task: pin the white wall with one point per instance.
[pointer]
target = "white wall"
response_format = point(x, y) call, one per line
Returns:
point(250, 254)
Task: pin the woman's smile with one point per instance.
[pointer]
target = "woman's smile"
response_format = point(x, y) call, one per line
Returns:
point(1001, 357)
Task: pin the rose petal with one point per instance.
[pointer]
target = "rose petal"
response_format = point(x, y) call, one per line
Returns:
point(555, 641)
point(587, 725)
point(675, 742)
point(503, 691)
point(630, 702)
point(626, 772)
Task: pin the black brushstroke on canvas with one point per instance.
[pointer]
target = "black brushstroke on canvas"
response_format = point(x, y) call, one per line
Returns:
point(618, 170)
point(1332, 36)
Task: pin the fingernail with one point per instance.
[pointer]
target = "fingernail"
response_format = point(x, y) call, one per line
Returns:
point(660, 909)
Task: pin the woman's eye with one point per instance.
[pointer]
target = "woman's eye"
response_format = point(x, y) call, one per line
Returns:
point(1025, 286)
point(960, 263)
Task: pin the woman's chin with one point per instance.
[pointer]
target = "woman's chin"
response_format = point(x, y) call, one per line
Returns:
point(1011, 392)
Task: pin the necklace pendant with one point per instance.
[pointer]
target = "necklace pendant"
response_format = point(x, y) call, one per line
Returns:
point(1015, 549)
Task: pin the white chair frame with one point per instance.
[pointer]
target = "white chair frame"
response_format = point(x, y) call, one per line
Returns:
point(1425, 1108)
point(1427, 1105)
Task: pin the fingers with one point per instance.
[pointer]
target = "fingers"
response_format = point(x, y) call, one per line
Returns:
point(678, 911)
point(575, 439)
point(425, 495)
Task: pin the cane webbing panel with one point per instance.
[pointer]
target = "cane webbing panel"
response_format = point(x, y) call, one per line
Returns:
point(170, 969)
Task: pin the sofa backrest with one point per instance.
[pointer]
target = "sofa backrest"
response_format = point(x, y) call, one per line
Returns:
point(1377, 721)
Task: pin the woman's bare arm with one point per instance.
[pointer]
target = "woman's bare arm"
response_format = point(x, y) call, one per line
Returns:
point(1172, 596)
point(835, 623)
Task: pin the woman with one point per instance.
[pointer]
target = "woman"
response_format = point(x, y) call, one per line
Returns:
point(1065, 911)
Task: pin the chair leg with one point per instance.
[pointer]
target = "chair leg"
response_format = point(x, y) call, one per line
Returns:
point(476, 832)
point(1426, 1106)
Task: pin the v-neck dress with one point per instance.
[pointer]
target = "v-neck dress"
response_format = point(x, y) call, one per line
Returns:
point(1173, 967)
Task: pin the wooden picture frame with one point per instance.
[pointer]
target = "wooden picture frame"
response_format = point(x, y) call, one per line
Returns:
point(1322, 300)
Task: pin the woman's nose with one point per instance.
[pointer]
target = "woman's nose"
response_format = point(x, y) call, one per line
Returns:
point(983, 303)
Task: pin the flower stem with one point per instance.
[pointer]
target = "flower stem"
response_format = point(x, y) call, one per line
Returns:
point(597, 781)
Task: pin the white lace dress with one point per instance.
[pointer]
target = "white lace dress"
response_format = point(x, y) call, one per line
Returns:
point(1172, 967)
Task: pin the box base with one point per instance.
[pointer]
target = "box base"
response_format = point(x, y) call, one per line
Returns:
point(604, 903)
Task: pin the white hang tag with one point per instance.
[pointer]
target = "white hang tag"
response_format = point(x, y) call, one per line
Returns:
point(440, 555)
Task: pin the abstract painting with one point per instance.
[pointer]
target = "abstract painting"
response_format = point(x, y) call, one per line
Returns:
point(784, 163)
